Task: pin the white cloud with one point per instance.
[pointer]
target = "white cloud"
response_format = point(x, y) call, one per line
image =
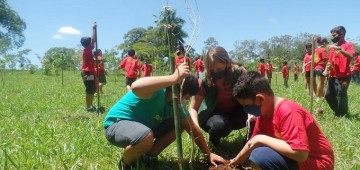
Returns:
point(69, 30)
point(273, 20)
point(59, 37)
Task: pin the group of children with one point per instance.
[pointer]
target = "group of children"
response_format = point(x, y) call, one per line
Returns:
point(223, 97)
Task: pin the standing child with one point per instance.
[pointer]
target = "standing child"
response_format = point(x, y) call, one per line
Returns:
point(285, 136)
point(307, 68)
point(199, 66)
point(132, 67)
point(261, 66)
point(285, 74)
point(268, 70)
point(142, 121)
point(296, 72)
point(356, 68)
point(181, 57)
point(146, 69)
point(101, 70)
point(338, 65)
point(320, 60)
point(88, 69)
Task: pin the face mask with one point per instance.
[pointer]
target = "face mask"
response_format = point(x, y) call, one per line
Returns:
point(335, 39)
point(253, 109)
point(219, 74)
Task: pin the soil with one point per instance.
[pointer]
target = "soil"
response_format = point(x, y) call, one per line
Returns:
point(228, 167)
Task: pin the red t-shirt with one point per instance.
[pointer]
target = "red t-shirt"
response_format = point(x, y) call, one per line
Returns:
point(131, 65)
point(199, 66)
point(261, 68)
point(101, 66)
point(307, 59)
point(357, 64)
point(341, 63)
point(225, 100)
point(296, 69)
point(147, 69)
point(295, 125)
point(88, 62)
point(285, 71)
point(268, 68)
point(320, 58)
point(179, 60)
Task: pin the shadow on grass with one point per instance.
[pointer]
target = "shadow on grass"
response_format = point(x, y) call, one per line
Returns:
point(353, 117)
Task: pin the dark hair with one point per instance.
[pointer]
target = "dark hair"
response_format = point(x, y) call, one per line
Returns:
point(131, 52)
point(249, 84)
point(339, 30)
point(321, 41)
point(181, 48)
point(262, 60)
point(85, 41)
point(96, 53)
point(285, 63)
point(191, 85)
point(308, 45)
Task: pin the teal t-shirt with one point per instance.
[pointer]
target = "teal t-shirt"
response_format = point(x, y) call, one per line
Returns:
point(149, 112)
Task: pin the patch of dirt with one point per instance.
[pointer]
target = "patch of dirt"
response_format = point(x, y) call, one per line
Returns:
point(228, 167)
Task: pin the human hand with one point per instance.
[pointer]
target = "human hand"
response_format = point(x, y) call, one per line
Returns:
point(337, 48)
point(181, 72)
point(234, 162)
point(251, 118)
point(216, 159)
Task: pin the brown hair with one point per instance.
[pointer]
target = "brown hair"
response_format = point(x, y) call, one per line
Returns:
point(218, 54)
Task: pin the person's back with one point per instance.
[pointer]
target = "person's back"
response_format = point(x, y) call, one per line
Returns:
point(132, 66)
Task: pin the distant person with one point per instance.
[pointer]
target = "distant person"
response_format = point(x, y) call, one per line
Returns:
point(269, 70)
point(181, 57)
point(261, 66)
point(146, 69)
point(356, 68)
point(142, 121)
point(101, 71)
point(214, 109)
point(132, 67)
point(320, 60)
point(296, 72)
point(88, 69)
point(340, 55)
point(285, 136)
point(285, 74)
point(199, 66)
point(307, 68)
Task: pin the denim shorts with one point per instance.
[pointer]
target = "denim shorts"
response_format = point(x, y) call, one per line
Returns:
point(267, 158)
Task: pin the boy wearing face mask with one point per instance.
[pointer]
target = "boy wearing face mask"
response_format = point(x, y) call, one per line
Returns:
point(286, 136)
point(214, 109)
point(338, 66)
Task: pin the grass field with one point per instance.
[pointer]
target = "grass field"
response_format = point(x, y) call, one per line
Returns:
point(44, 125)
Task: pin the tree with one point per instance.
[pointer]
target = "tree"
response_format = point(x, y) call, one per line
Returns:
point(21, 59)
point(247, 50)
point(11, 28)
point(58, 57)
point(131, 37)
point(210, 42)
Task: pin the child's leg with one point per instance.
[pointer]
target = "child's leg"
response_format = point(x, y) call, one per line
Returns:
point(267, 158)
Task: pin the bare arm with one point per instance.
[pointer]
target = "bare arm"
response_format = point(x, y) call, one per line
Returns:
point(278, 145)
point(194, 108)
point(144, 87)
point(200, 141)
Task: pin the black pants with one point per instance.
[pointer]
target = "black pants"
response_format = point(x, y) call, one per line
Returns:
point(336, 95)
point(221, 124)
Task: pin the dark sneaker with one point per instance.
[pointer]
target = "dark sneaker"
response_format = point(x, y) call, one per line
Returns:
point(91, 109)
point(149, 161)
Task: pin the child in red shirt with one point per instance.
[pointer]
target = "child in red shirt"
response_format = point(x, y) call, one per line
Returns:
point(307, 67)
point(88, 69)
point(199, 66)
point(101, 71)
point(296, 72)
point(285, 73)
point(338, 65)
point(268, 71)
point(320, 60)
point(261, 67)
point(285, 136)
point(132, 67)
point(180, 57)
point(356, 68)
point(146, 68)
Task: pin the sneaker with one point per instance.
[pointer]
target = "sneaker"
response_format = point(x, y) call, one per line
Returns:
point(91, 109)
point(149, 160)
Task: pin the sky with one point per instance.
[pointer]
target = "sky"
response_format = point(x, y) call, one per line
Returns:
point(61, 23)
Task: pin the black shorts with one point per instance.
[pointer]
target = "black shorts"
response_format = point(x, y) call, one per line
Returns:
point(129, 81)
point(319, 72)
point(307, 74)
point(89, 81)
point(102, 78)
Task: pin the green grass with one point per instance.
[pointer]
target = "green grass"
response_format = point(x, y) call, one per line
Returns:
point(44, 125)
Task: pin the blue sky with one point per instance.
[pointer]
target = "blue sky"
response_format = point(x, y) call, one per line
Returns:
point(61, 23)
